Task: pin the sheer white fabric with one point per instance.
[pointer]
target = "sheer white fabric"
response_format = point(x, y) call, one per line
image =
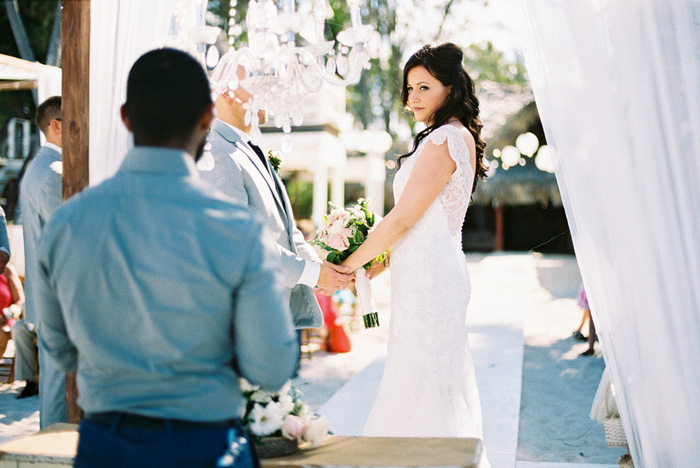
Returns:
point(617, 84)
point(120, 32)
point(428, 388)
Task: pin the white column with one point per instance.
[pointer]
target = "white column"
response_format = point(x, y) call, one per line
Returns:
point(374, 185)
point(26, 138)
point(11, 129)
point(338, 186)
point(320, 204)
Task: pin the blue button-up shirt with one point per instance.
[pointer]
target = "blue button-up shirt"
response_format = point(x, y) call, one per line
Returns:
point(154, 286)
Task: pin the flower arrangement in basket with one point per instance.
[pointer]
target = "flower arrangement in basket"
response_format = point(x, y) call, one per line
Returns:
point(344, 232)
point(273, 417)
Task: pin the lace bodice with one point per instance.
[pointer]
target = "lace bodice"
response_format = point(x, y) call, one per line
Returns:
point(454, 198)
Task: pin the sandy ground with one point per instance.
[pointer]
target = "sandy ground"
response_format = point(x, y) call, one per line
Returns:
point(558, 386)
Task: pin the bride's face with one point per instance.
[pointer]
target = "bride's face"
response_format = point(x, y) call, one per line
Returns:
point(426, 94)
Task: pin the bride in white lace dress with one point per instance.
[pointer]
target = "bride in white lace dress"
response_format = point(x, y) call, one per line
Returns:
point(428, 388)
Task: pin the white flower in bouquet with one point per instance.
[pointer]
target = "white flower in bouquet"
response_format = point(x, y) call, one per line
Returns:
point(287, 402)
point(320, 251)
point(266, 419)
point(337, 227)
point(261, 396)
point(316, 431)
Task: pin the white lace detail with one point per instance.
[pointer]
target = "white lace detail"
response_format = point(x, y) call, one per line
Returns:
point(456, 194)
point(428, 388)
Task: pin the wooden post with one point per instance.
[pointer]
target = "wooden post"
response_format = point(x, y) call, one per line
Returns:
point(75, 53)
point(499, 241)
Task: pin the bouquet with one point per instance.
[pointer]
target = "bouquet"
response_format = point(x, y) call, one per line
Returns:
point(344, 232)
point(280, 414)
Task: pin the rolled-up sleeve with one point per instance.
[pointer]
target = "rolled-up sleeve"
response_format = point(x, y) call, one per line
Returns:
point(266, 345)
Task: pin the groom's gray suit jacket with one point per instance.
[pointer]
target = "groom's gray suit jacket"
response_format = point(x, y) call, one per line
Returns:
point(239, 173)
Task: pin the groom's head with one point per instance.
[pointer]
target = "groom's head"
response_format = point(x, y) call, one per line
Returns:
point(168, 101)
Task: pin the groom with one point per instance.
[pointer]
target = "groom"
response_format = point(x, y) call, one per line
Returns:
point(242, 171)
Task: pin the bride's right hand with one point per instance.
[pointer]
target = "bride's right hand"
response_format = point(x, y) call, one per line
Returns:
point(375, 269)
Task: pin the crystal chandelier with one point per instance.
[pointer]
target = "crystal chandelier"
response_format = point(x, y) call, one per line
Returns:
point(284, 63)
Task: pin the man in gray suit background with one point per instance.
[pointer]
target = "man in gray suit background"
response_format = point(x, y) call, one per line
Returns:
point(242, 171)
point(40, 194)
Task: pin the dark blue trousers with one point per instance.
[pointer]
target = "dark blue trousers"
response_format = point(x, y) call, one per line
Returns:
point(116, 445)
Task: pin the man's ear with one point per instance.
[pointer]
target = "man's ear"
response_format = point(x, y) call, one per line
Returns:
point(227, 95)
point(207, 118)
point(55, 126)
point(125, 117)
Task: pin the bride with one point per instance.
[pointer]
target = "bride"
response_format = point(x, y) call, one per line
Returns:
point(428, 387)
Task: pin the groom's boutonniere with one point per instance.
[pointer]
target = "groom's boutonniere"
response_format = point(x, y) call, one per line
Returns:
point(275, 161)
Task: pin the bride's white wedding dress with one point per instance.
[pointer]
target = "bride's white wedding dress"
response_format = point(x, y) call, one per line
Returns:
point(428, 387)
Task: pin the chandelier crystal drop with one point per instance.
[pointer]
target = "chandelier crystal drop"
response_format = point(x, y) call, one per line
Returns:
point(284, 63)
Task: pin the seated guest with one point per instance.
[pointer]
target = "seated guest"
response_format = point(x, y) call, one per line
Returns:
point(11, 302)
point(26, 357)
point(23, 334)
point(173, 298)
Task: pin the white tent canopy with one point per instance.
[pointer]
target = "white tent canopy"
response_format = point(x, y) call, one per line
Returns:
point(15, 71)
point(616, 84)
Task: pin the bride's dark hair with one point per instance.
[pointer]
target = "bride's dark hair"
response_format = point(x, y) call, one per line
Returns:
point(444, 62)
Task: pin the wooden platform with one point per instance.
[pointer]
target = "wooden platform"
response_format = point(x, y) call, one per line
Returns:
point(55, 447)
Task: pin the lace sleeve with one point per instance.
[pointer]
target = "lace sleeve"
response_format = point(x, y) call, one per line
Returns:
point(456, 146)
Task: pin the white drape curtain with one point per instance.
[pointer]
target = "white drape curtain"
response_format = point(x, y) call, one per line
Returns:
point(120, 32)
point(617, 84)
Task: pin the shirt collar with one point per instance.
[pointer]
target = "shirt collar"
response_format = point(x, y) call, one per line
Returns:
point(54, 147)
point(156, 159)
point(241, 134)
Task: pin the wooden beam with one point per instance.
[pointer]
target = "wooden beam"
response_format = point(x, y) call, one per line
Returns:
point(17, 85)
point(75, 52)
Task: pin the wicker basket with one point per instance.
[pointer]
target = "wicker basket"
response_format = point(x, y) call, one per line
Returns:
point(614, 432)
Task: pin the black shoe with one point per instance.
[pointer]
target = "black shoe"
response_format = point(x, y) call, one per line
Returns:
point(588, 352)
point(31, 389)
point(579, 336)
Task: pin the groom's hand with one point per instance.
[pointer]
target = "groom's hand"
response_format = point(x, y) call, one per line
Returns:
point(333, 278)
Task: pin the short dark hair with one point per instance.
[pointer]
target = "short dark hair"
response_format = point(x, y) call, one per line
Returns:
point(47, 111)
point(167, 92)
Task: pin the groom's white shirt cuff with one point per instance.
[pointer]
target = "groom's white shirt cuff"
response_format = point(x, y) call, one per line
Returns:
point(311, 273)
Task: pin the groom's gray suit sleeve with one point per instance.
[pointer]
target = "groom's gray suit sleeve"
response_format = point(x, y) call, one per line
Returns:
point(229, 177)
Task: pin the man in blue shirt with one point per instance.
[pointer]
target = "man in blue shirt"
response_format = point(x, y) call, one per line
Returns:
point(160, 292)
